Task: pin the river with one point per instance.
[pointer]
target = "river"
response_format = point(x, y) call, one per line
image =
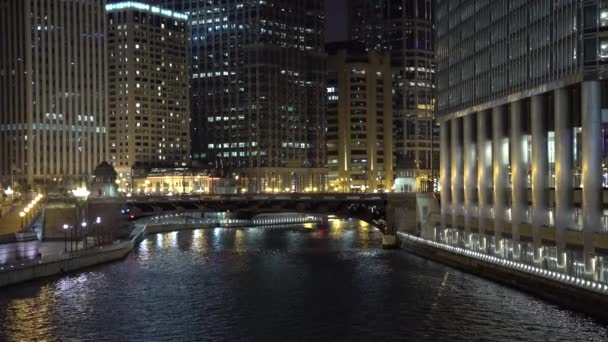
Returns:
point(299, 284)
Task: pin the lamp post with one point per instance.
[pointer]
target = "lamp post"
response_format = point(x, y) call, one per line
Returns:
point(84, 228)
point(65, 228)
point(81, 194)
point(96, 229)
point(9, 192)
point(22, 215)
point(27, 215)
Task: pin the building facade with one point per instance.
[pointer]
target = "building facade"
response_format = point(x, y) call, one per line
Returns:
point(359, 119)
point(148, 86)
point(522, 102)
point(404, 29)
point(53, 88)
point(164, 181)
point(258, 90)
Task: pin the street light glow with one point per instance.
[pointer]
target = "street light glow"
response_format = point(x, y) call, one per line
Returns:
point(81, 192)
point(9, 191)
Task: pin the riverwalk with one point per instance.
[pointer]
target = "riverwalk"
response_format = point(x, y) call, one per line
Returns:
point(51, 258)
point(580, 294)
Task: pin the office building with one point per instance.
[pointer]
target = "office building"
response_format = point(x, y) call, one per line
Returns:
point(404, 29)
point(53, 89)
point(148, 81)
point(522, 102)
point(258, 90)
point(359, 119)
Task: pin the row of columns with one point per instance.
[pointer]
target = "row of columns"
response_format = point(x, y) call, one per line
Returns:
point(475, 165)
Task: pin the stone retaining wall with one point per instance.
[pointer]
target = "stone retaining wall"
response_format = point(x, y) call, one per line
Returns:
point(62, 264)
point(574, 298)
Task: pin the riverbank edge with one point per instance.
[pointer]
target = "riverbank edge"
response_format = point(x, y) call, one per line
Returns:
point(60, 265)
point(64, 264)
point(570, 297)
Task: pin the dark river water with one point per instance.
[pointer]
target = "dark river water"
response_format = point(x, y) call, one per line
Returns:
point(305, 284)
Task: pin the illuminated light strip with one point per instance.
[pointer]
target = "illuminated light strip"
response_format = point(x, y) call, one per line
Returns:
point(540, 272)
point(145, 7)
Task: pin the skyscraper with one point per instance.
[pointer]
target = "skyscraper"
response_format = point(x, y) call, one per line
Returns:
point(522, 105)
point(148, 81)
point(53, 89)
point(404, 28)
point(359, 119)
point(258, 90)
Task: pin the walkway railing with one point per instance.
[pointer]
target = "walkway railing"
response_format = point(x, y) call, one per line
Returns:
point(567, 279)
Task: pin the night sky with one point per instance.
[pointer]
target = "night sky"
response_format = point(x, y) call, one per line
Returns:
point(336, 24)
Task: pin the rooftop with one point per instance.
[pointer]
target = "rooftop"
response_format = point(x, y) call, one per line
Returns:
point(126, 5)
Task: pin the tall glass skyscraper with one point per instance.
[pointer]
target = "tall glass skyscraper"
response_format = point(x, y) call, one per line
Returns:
point(258, 90)
point(404, 28)
point(53, 89)
point(148, 82)
point(522, 102)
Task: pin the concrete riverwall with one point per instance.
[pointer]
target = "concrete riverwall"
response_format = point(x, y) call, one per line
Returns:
point(581, 300)
point(61, 264)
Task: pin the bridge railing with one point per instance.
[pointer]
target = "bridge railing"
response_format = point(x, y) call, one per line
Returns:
point(257, 197)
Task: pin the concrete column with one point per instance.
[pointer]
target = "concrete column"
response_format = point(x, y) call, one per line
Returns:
point(484, 168)
point(591, 115)
point(519, 173)
point(444, 172)
point(563, 170)
point(470, 172)
point(500, 164)
point(540, 171)
point(456, 172)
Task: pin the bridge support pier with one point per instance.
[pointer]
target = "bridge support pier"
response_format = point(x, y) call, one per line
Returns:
point(411, 214)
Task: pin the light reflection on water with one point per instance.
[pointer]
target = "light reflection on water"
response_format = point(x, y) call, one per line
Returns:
point(330, 284)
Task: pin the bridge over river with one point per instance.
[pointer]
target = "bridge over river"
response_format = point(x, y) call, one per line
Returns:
point(388, 211)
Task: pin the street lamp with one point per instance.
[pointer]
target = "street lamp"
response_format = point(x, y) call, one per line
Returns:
point(22, 215)
point(9, 192)
point(96, 230)
point(81, 193)
point(86, 235)
point(27, 214)
point(65, 228)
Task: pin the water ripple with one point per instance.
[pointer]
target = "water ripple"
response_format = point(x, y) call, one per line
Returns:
point(280, 285)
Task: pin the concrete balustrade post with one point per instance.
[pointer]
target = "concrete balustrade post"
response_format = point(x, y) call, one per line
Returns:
point(563, 170)
point(456, 172)
point(592, 139)
point(484, 169)
point(470, 172)
point(519, 173)
point(540, 171)
point(500, 164)
point(444, 172)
